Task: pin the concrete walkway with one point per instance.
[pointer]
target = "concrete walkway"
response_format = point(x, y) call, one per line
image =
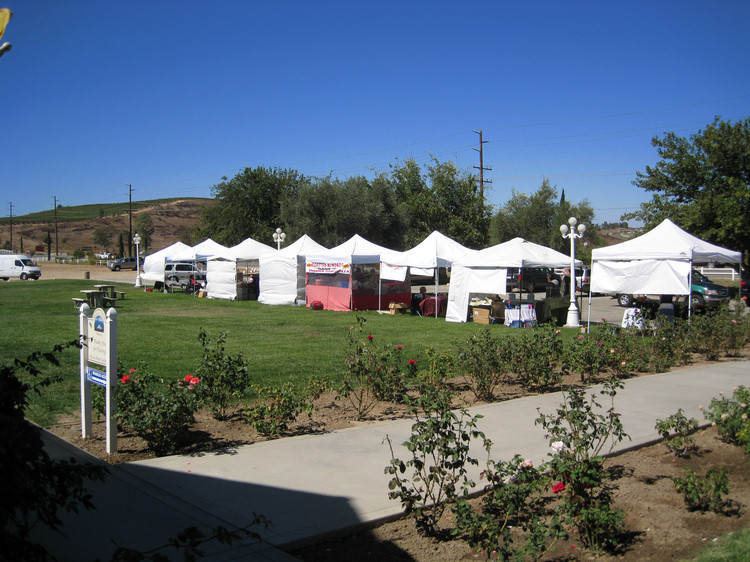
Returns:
point(313, 485)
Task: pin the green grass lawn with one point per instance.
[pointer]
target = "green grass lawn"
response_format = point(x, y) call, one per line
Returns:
point(280, 343)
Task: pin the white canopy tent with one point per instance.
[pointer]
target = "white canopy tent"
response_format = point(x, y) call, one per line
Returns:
point(434, 252)
point(282, 273)
point(659, 262)
point(485, 271)
point(331, 281)
point(222, 268)
point(153, 264)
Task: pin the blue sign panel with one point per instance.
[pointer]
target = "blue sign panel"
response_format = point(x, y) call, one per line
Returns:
point(96, 376)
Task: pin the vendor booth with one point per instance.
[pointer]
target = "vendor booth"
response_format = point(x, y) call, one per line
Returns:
point(233, 274)
point(659, 262)
point(484, 272)
point(347, 277)
point(282, 273)
point(426, 258)
point(153, 264)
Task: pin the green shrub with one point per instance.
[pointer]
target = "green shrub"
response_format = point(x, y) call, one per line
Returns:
point(680, 443)
point(440, 448)
point(224, 378)
point(589, 354)
point(535, 356)
point(512, 520)
point(277, 408)
point(704, 493)
point(732, 417)
point(374, 372)
point(579, 434)
point(482, 362)
point(158, 411)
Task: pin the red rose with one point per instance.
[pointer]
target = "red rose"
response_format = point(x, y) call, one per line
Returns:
point(125, 378)
point(369, 337)
point(559, 487)
point(411, 362)
point(132, 371)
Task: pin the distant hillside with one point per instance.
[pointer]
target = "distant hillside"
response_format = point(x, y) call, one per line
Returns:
point(171, 217)
point(76, 225)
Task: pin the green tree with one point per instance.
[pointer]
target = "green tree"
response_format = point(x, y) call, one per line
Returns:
point(537, 218)
point(102, 237)
point(702, 183)
point(331, 211)
point(249, 205)
point(440, 197)
point(144, 226)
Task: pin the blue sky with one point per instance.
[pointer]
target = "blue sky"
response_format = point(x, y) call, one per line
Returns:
point(169, 96)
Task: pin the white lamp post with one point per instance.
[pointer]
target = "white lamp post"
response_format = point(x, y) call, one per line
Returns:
point(278, 237)
point(137, 241)
point(573, 317)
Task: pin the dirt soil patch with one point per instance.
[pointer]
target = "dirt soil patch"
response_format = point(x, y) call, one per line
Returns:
point(658, 524)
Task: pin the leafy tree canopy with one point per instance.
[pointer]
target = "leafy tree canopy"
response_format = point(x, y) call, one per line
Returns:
point(702, 183)
point(537, 218)
point(248, 205)
point(331, 211)
point(396, 209)
point(144, 226)
point(440, 197)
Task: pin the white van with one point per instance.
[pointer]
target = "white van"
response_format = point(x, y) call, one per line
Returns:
point(18, 265)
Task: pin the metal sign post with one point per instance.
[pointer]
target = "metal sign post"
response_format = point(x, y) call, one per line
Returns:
point(98, 332)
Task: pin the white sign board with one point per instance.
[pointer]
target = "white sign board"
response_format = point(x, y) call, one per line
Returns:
point(98, 342)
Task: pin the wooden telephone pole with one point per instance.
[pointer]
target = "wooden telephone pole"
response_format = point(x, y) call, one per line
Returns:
point(481, 167)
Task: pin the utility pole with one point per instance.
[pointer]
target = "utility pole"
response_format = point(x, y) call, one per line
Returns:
point(481, 167)
point(11, 226)
point(54, 198)
point(130, 213)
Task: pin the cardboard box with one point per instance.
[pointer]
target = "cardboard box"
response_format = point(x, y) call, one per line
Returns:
point(481, 315)
point(398, 308)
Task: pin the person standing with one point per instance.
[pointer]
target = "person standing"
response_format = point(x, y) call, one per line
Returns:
point(566, 282)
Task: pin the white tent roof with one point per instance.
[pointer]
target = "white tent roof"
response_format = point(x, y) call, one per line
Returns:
point(246, 250)
point(303, 246)
point(515, 253)
point(357, 249)
point(204, 250)
point(667, 241)
point(153, 264)
point(437, 250)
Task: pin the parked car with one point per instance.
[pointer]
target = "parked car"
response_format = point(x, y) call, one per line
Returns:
point(583, 282)
point(745, 287)
point(531, 279)
point(703, 293)
point(123, 263)
point(179, 273)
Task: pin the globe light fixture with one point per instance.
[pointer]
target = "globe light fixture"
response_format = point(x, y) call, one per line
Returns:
point(570, 232)
point(278, 237)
